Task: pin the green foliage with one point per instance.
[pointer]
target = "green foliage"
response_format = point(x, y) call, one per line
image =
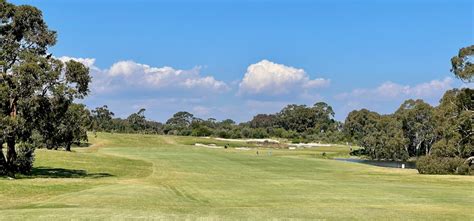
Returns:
point(301, 118)
point(201, 131)
point(35, 88)
point(454, 117)
point(102, 118)
point(441, 165)
point(25, 158)
point(462, 65)
point(417, 129)
point(418, 126)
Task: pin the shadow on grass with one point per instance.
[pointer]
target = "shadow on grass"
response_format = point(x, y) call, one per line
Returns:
point(81, 145)
point(48, 172)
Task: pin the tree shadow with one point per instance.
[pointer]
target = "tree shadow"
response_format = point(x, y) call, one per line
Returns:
point(48, 172)
point(80, 145)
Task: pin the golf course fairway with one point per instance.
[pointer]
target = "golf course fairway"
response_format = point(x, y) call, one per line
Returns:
point(151, 177)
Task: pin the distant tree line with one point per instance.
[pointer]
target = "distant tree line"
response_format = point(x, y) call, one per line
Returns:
point(296, 122)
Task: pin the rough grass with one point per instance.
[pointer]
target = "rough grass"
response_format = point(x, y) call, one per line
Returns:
point(164, 177)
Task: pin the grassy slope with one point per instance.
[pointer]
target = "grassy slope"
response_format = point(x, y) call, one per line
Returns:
point(138, 176)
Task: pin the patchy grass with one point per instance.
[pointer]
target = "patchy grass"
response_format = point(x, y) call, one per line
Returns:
point(124, 176)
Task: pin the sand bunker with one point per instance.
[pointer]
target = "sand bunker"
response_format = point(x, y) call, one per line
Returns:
point(249, 140)
point(213, 146)
point(306, 145)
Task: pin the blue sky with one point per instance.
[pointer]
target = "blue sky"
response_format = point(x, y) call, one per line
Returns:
point(233, 59)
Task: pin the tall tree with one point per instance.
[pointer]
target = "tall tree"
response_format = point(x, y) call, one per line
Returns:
point(416, 117)
point(324, 119)
point(179, 122)
point(263, 121)
point(102, 118)
point(454, 119)
point(73, 127)
point(137, 120)
point(462, 64)
point(359, 124)
point(28, 74)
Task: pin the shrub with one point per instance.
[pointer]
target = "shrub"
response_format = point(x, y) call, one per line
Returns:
point(25, 158)
point(259, 133)
point(185, 132)
point(441, 165)
point(464, 169)
point(201, 131)
point(223, 134)
point(235, 134)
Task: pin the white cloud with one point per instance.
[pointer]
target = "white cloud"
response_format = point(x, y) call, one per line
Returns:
point(206, 82)
point(127, 68)
point(88, 62)
point(268, 78)
point(164, 77)
point(393, 91)
point(130, 74)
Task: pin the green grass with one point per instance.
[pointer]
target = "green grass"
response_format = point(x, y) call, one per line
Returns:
point(147, 177)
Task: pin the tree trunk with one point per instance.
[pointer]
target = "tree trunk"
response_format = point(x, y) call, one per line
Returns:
point(11, 156)
point(417, 148)
point(3, 162)
point(11, 152)
point(68, 147)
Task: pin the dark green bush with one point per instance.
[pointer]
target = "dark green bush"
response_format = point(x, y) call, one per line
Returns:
point(464, 169)
point(201, 131)
point(223, 134)
point(25, 158)
point(441, 165)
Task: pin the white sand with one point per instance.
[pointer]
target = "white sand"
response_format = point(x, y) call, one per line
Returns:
point(249, 140)
point(309, 145)
point(213, 146)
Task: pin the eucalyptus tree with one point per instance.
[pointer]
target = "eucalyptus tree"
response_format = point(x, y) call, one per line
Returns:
point(73, 127)
point(361, 126)
point(29, 77)
point(137, 120)
point(102, 118)
point(462, 64)
point(416, 117)
point(454, 119)
point(302, 118)
point(324, 119)
point(179, 122)
point(263, 121)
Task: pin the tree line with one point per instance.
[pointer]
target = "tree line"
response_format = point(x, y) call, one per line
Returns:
point(441, 137)
point(296, 122)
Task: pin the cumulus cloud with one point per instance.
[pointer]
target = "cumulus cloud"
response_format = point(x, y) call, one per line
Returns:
point(388, 96)
point(269, 78)
point(130, 74)
point(393, 91)
point(88, 62)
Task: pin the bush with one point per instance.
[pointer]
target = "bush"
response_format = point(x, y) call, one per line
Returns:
point(223, 134)
point(236, 134)
point(441, 165)
point(37, 140)
point(185, 132)
point(201, 131)
point(25, 158)
point(259, 133)
point(464, 169)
